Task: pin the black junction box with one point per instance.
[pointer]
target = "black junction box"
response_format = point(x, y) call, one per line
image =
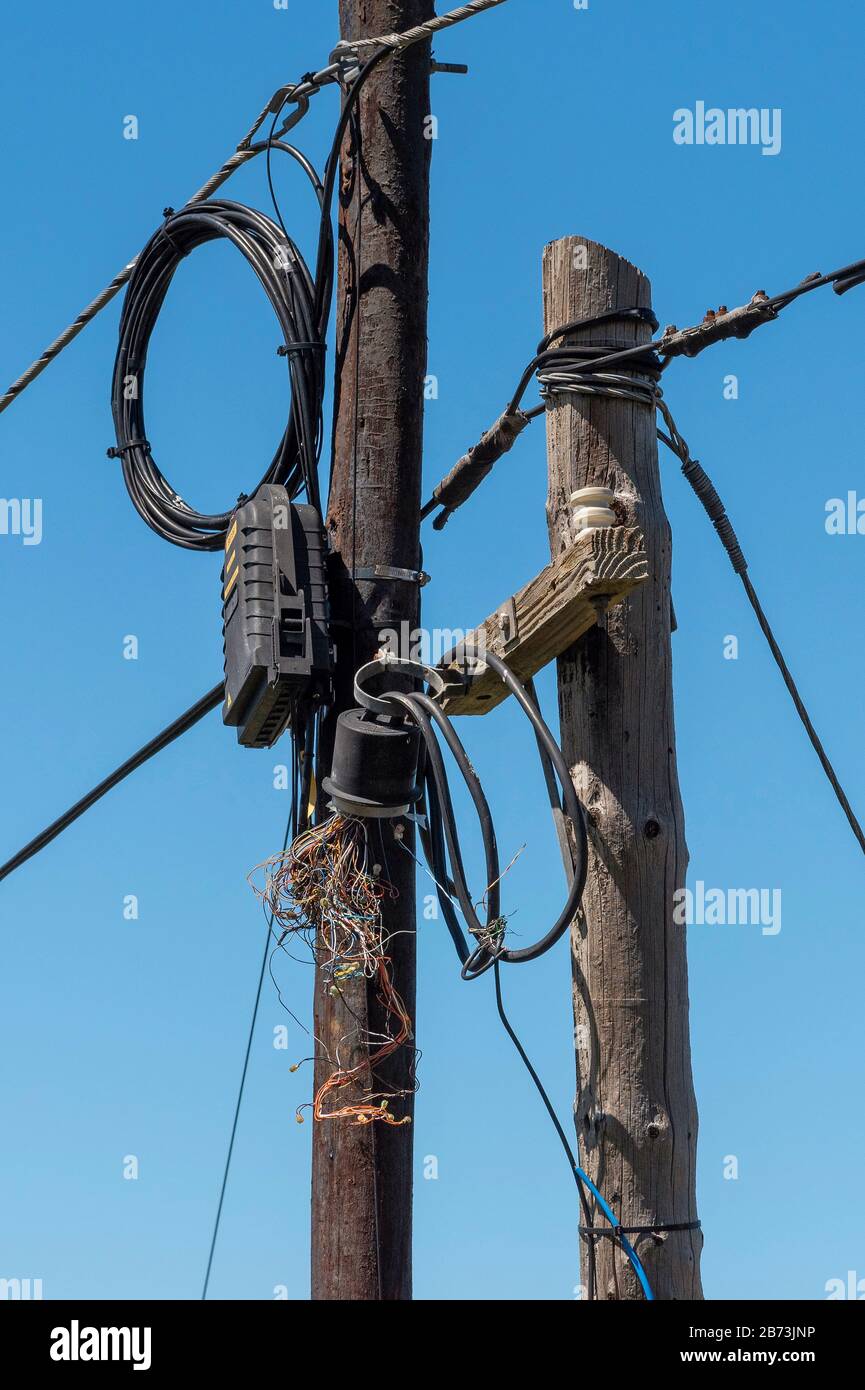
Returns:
point(276, 645)
point(375, 764)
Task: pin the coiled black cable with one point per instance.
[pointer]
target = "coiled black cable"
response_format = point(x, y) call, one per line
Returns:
point(287, 282)
point(301, 301)
point(442, 844)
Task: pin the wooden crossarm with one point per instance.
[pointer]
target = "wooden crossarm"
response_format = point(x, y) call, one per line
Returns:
point(548, 615)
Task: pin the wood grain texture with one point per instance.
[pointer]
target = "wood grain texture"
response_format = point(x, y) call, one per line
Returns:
point(596, 571)
point(362, 1177)
point(636, 1113)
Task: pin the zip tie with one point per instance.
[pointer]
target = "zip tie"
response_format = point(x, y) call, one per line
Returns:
point(118, 450)
point(285, 349)
point(179, 252)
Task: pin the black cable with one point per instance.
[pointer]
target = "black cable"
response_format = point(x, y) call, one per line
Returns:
point(192, 226)
point(282, 272)
point(264, 960)
point(557, 1125)
point(168, 735)
point(420, 708)
point(705, 490)
point(579, 360)
point(302, 304)
point(572, 808)
point(489, 934)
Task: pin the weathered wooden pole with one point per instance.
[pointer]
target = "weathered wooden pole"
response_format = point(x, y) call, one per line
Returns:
point(362, 1176)
point(636, 1113)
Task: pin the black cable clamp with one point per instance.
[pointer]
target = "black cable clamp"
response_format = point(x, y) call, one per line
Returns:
point(615, 1232)
point(118, 450)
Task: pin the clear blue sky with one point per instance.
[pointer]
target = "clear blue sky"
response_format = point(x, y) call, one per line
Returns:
point(126, 1038)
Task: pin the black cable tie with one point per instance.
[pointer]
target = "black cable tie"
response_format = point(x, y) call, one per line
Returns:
point(118, 450)
point(614, 1232)
point(285, 348)
point(179, 251)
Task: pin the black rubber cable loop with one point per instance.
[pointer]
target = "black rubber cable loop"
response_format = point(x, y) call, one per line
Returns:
point(489, 939)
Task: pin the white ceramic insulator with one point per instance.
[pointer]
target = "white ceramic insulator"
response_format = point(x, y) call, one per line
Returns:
point(593, 508)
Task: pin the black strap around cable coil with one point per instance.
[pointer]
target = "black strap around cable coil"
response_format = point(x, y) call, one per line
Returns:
point(117, 451)
point(285, 348)
point(179, 250)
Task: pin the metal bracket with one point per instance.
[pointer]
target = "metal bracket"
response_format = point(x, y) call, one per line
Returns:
point(347, 61)
point(280, 98)
point(508, 626)
point(460, 69)
point(400, 576)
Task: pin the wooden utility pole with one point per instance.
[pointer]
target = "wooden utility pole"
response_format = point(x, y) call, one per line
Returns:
point(362, 1176)
point(636, 1113)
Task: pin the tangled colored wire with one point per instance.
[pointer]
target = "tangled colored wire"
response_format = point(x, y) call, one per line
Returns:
point(325, 890)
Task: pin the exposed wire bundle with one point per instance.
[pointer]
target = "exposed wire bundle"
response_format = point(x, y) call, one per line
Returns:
point(326, 890)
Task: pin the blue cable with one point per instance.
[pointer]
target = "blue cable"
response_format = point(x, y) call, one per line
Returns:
point(616, 1224)
point(580, 1176)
